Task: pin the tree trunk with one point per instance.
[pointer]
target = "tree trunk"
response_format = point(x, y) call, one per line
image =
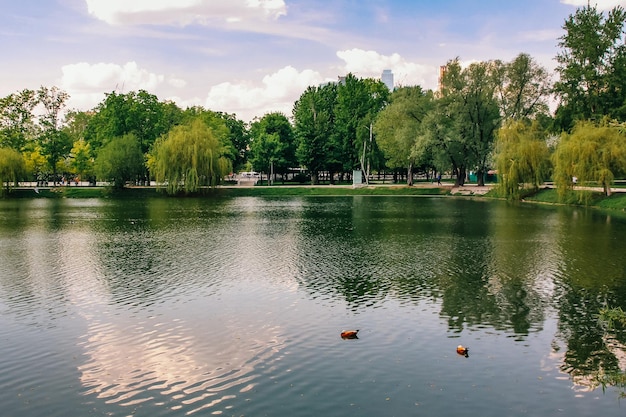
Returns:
point(480, 178)
point(314, 178)
point(409, 175)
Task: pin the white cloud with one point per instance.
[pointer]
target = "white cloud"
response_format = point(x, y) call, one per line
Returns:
point(371, 64)
point(601, 4)
point(184, 12)
point(86, 83)
point(276, 92)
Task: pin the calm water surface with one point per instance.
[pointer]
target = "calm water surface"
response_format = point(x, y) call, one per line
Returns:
point(170, 307)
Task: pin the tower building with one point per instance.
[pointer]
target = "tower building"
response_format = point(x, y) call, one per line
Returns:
point(387, 79)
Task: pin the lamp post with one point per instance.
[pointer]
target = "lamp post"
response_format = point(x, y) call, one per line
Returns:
point(366, 172)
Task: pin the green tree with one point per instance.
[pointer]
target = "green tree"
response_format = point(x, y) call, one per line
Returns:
point(219, 126)
point(76, 123)
point(188, 157)
point(522, 158)
point(592, 78)
point(358, 103)
point(54, 142)
point(479, 115)
point(275, 131)
point(314, 122)
point(265, 151)
point(12, 168)
point(399, 132)
point(593, 154)
point(36, 164)
point(523, 88)
point(81, 161)
point(442, 137)
point(239, 138)
point(17, 121)
point(465, 119)
point(120, 160)
point(138, 113)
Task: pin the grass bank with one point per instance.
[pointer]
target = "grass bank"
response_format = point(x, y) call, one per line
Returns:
point(594, 199)
point(154, 192)
point(546, 196)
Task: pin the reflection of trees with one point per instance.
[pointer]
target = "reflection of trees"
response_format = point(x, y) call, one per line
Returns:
point(368, 249)
point(494, 270)
point(592, 357)
point(466, 299)
point(32, 241)
point(142, 254)
point(362, 250)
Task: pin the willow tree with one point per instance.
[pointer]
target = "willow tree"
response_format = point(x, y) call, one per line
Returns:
point(188, 157)
point(11, 168)
point(522, 158)
point(592, 155)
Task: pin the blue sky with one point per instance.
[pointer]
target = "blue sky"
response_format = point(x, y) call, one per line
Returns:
point(250, 57)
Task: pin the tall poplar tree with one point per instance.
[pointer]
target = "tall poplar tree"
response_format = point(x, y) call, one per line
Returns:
point(591, 67)
point(314, 122)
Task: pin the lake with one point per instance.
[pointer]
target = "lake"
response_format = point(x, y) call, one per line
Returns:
point(234, 306)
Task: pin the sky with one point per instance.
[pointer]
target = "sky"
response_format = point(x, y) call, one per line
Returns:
point(252, 57)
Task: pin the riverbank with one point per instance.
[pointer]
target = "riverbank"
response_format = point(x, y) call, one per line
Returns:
point(234, 191)
point(545, 196)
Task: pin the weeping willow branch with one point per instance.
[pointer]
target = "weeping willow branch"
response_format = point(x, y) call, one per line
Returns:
point(188, 157)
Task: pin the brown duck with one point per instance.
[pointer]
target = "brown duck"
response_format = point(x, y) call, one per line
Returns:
point(349, 334)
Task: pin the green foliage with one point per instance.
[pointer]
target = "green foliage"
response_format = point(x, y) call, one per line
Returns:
point(138, 113)
point(591, 66)
point(592, 154)
point(239, 138)
point(398, 129)
point(613, 317)
point(522, 158)
point(12, 168)
point(188, 157)
point(81, 161)
point(522, 88)
point(120, 160)
point(36, 163)
point(358, 103)
point(17, 122)
point(314, 122)
point(462, 127)
point(272, 144)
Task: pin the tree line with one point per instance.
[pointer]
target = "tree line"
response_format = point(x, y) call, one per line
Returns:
point(490, 115)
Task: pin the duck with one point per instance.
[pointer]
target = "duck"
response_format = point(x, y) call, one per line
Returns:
point(462, 350)
point(349, 334)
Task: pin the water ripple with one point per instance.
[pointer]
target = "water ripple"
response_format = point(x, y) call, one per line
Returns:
point(165, 362)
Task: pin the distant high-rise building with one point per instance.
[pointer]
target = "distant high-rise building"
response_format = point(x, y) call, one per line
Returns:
point(387, 79)
point(442, 73)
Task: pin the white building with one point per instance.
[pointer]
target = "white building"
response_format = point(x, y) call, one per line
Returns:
point(387, 79)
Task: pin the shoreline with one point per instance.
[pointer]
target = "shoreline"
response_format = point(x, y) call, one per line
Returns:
point(80, 191)
point(546, 195)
